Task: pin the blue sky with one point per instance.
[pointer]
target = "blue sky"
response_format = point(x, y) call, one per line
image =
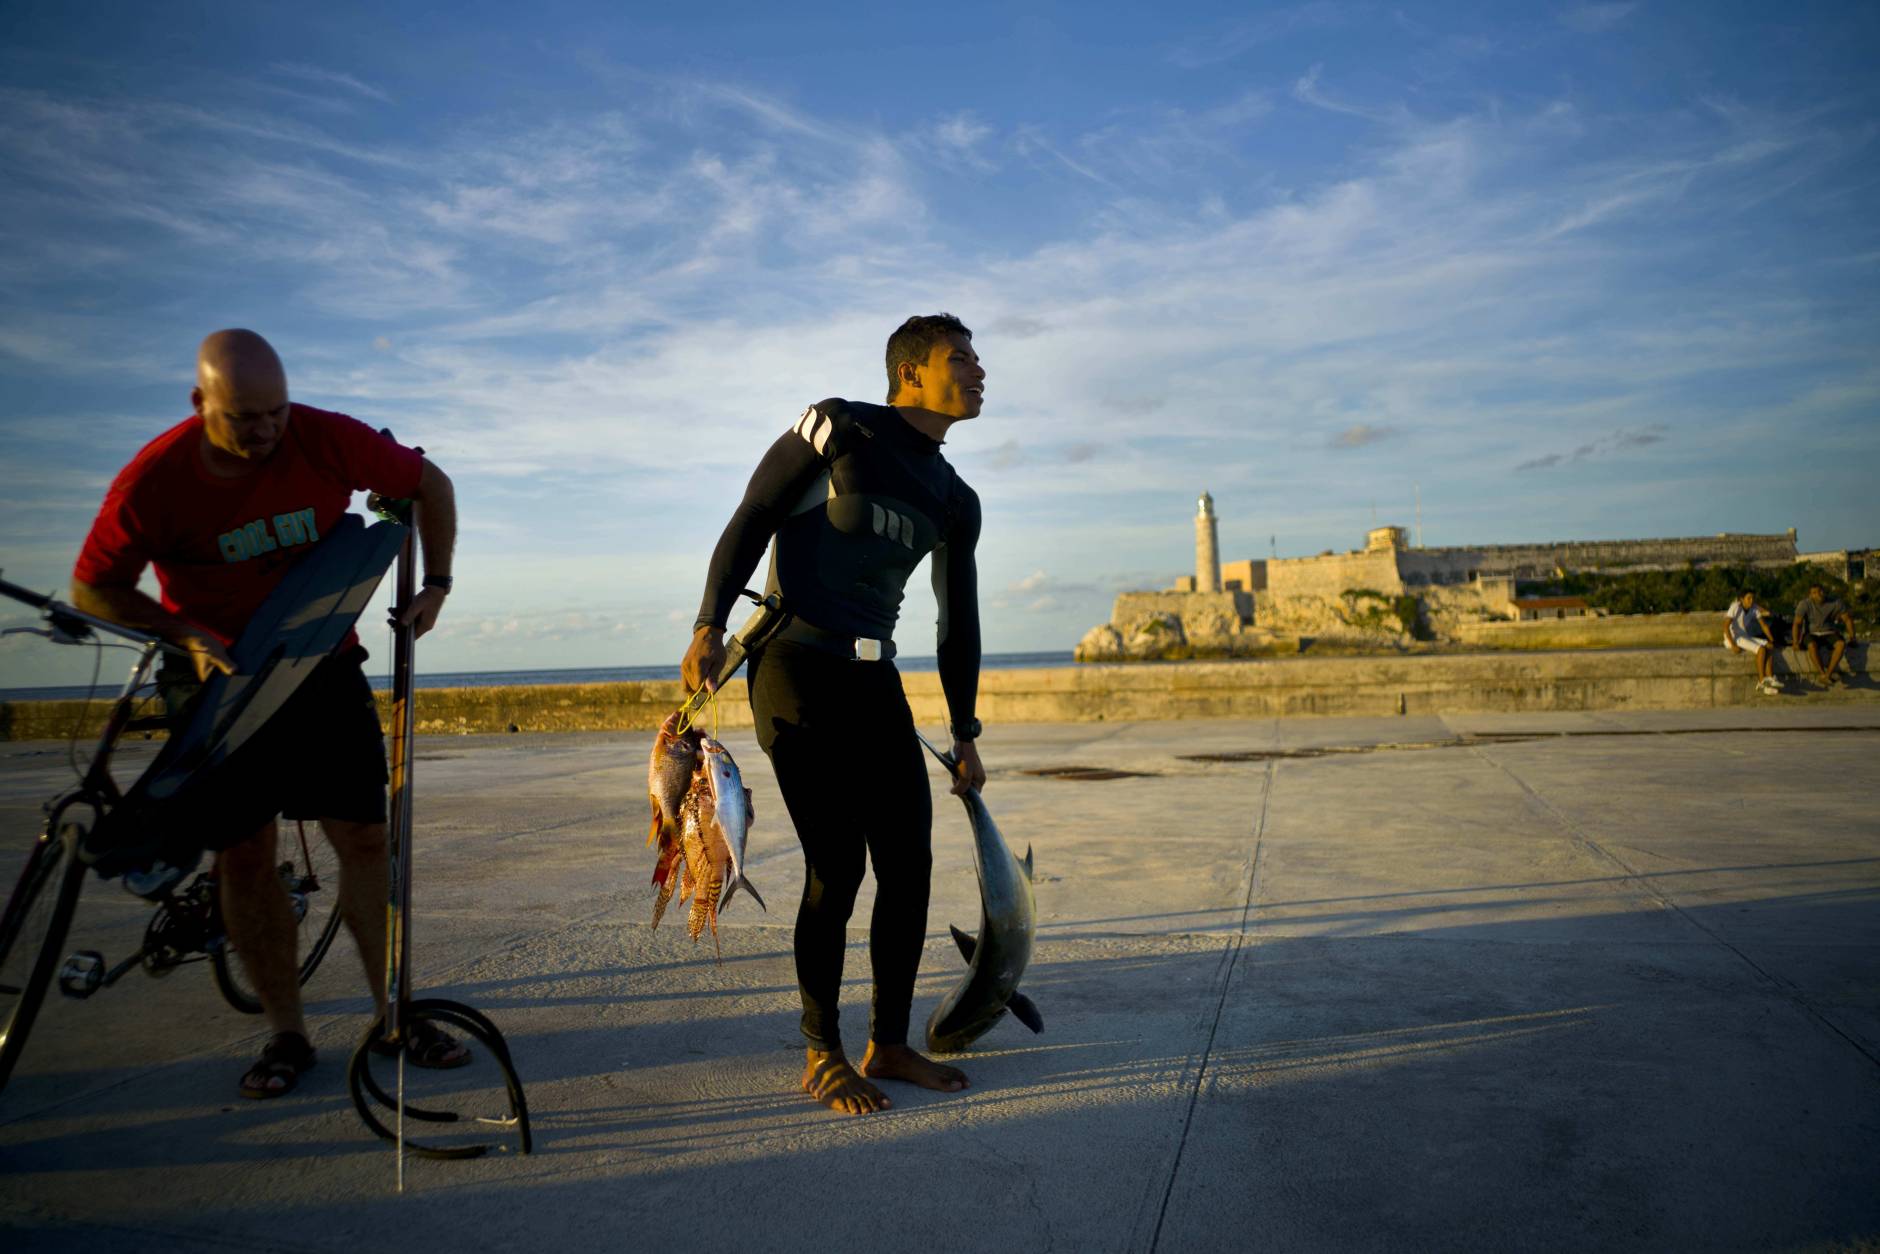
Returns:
point(1570, 271)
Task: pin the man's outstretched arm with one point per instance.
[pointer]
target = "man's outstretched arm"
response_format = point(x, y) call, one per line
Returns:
point(957, 644)
point(131, 608)
point(786, 471)
point(436, 499)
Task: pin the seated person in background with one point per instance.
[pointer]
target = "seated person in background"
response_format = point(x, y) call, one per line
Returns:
point(1815, 632)
point(1744, 629)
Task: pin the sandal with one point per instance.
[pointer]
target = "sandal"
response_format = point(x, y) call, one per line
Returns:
point(427, 1045)
point(282, 1059)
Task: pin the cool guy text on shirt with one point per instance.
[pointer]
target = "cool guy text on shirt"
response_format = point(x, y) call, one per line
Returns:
point(255, 538)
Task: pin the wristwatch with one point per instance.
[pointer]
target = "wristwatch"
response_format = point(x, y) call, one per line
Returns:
point(438, 581)
point(967, 731)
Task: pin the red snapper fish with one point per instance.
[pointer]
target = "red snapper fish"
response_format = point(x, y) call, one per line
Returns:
point(669, 775)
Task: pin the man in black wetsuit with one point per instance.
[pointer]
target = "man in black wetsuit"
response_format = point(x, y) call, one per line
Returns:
point(855, 496)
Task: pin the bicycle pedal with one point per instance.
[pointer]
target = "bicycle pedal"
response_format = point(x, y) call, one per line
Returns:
point(154, 883)
point(82, 974)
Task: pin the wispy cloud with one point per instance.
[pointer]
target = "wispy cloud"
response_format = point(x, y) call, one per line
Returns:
point(1263, 28)
point(330, 78)
point(1595, 19)
point(1616, 442)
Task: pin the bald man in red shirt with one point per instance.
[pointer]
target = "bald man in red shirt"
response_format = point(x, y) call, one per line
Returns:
point(223, 505)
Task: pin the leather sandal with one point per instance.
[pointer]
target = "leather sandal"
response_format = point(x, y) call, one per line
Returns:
point(428, 1046)
point(283, 1059)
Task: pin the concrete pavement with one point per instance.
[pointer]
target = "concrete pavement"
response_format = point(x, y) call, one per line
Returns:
point(1588, 980)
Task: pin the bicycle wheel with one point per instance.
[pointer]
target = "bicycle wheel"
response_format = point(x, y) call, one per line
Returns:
point(31, 930)
point(310, 873)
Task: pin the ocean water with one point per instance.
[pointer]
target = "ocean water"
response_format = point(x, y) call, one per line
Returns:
point(108, 686)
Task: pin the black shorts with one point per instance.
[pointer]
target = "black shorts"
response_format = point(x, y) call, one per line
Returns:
point(1823, 639)
point(322, 756)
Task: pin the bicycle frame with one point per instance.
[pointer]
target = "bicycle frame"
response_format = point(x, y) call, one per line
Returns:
point(67, 625)
point(86, 972)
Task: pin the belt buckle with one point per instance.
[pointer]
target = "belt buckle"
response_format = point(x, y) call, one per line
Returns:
point(867, 650)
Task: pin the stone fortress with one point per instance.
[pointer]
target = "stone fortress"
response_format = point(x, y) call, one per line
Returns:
point(1388, 592)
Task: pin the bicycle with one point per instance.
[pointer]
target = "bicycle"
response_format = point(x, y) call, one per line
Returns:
point(187, 926)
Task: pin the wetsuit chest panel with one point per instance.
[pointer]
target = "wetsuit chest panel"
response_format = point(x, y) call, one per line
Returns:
point(844, 565)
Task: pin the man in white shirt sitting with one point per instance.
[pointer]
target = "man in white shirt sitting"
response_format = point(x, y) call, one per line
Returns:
point(1744, 629)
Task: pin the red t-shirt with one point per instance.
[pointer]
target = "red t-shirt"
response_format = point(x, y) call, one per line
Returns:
point(221, 545)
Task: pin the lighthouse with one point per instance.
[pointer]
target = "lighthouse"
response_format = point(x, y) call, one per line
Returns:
point(1207, 547)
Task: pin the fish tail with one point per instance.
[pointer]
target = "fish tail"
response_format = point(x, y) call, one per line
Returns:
point(739, 881)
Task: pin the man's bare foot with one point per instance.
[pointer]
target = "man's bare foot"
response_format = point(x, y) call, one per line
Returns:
point(898, 1062)
point(832, 1081)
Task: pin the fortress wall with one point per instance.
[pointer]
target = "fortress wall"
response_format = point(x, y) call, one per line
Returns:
point(1305, 596)
point(1539, 561)
point(1331, 575)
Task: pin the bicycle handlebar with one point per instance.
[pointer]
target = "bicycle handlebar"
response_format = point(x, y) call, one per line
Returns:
point(75, 623)
point(27, 595)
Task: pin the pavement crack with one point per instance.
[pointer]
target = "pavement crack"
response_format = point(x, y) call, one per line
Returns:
point(1223, 979)
point(1643, 883)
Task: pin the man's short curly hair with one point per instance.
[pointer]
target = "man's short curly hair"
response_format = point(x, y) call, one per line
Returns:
point(914, 341)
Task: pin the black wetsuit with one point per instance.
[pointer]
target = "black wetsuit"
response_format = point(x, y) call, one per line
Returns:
point(855, 498)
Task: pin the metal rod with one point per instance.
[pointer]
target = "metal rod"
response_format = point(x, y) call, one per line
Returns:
point(398, 905)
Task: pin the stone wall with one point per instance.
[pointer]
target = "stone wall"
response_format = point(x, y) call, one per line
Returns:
point(1416, 684)
point(1626, 631)
point(1312, 596)
point(1540, 561)
point(1849, 564)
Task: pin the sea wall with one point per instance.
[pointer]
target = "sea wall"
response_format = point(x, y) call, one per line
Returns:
point(1677, 678)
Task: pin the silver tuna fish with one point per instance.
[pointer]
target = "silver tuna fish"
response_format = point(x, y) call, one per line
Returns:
point(731, 807)
point(997, 958)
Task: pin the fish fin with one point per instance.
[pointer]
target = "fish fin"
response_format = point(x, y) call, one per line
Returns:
point(652, 837)
point(749, 888)
point(731, 888)
point(1028, 862)
point(1025, 1011)
point(946, 760)
point(966, 943)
